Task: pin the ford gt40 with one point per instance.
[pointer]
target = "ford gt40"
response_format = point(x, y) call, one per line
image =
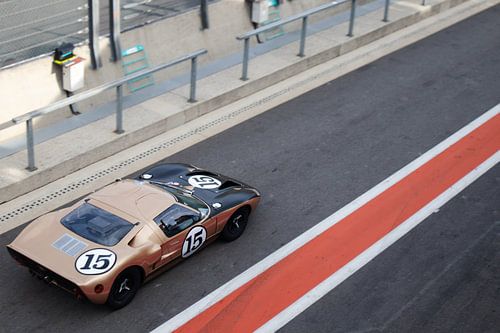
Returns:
point(106, 245)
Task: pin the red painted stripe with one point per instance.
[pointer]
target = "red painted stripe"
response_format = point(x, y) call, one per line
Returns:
point(259, 300)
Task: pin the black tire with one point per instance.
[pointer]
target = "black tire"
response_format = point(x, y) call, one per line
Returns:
point(124, 288)
point(236, 225)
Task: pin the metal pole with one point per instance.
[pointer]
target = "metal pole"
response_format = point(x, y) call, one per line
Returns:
point(386, 11)
point(115, 29)
point(192, 94)
point(72, 107)
point(351, 20)
point(30, 145)
point(246, 51)
point(423, 2)
point(119, 110)
point(204, 14)
point(94, 33)
point(303, 35)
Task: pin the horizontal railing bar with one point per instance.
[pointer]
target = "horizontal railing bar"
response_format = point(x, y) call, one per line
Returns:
point(7, 124)
point(290, 19)
point(97, 90)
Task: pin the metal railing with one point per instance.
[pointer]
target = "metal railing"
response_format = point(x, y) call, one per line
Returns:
point(303, 33)
point(118, 84)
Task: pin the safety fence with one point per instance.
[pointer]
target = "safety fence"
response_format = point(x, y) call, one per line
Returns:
point(117, 84)
point(137, 13)
point(32, 28)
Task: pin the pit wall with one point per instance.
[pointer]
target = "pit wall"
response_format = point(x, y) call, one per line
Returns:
point(38, 83)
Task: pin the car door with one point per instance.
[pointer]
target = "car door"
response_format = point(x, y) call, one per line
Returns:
point(184, 233)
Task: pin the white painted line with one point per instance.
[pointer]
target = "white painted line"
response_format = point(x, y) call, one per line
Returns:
point(218, 294)
point(282, 318)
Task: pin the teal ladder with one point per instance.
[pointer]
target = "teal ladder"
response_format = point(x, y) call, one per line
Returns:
point(134, 60)
point(274, 15)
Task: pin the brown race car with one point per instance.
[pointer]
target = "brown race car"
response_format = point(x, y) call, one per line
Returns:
point(104, 246)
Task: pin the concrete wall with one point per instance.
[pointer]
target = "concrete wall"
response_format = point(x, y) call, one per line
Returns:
point(38, 83)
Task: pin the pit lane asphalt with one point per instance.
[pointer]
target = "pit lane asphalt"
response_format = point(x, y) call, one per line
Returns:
point(310, 157)
point(444, 276)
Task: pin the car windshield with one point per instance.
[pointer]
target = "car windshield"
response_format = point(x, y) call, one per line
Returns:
point(97, 225)
point(186, 199)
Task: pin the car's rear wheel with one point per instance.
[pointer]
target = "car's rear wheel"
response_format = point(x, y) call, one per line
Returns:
point(124, 288)
point(236, 225)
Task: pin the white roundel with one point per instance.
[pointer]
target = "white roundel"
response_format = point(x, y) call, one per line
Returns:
point(96, 261)
point(194, 240)
point(205, 182)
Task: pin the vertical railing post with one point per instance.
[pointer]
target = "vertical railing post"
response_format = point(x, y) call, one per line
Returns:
point(115, 29)
point(94, 33)
point(192, 93)
point(30, 145)
point(204, 14)
point(119, 109)
point(303, 35)
point(351, 20)
point(246, 51)
point(386, 11)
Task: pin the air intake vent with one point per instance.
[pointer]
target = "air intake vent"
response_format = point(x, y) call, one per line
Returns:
point(69, 245)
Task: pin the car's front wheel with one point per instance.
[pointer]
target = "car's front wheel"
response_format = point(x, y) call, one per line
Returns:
point(235, 225)
point(124, 288)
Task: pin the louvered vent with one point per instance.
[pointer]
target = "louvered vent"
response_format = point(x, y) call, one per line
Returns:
point(69, 245)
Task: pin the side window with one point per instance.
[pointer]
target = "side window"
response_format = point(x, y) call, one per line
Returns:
point(176, 219)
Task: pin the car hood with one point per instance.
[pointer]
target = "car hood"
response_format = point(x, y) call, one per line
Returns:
point(47, 242)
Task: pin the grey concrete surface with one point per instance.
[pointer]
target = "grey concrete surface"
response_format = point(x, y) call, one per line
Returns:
point(309, 157)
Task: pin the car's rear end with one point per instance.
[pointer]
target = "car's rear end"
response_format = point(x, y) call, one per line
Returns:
point(64, 256)
point(45, 274)
point(49, 251)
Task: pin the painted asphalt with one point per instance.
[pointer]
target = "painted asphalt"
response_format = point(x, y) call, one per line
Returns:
point(441, 277)
point(294, 277)
point(311, 156)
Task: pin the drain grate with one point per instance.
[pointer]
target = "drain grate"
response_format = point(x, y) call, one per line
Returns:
point(83, 182)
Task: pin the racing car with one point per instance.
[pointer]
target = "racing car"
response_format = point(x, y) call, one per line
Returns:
point(106, 245)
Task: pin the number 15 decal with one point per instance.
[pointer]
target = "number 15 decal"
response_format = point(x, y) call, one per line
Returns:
point(204, 182)
point(194, 240)
point(96, 261)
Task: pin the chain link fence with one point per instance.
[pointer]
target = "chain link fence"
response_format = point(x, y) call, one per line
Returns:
point(31, 28)
point(136, 13)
